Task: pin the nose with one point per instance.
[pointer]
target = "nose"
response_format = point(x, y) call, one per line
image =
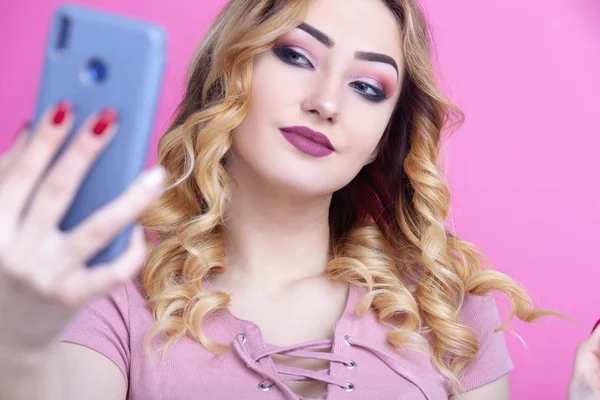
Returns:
point(323, 101)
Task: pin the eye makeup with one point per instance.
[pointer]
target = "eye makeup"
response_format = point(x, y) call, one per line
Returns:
point(370, 89)
point(292, 56)
point(304, 45)
point(374, 83)
point(384, 80)
point(370, 92)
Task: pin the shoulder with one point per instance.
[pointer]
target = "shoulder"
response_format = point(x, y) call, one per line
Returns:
point(116, 304)
point(104, 324)
point(481, 314)
point(480, 311)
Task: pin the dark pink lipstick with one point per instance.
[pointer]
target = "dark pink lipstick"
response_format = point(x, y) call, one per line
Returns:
point(308, 141)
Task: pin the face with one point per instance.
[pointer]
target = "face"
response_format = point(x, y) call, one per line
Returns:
point(321, 99)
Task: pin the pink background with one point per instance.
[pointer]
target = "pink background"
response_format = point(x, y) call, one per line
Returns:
point(523, 169)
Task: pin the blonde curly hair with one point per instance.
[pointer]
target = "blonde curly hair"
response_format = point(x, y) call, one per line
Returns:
point(387, 224)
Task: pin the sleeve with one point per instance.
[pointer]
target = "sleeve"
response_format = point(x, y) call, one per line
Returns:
point(103, 325)
point(493, 359)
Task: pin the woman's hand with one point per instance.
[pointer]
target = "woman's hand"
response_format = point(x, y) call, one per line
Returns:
point(585, 382)
point(43, 277)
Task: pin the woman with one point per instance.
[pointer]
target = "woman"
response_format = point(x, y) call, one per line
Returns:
point(299, 248)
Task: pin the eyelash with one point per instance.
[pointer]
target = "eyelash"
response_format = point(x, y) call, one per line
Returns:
point(284, 54)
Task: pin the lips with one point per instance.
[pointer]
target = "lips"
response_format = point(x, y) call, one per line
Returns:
point(307, 141)
point(310, 134)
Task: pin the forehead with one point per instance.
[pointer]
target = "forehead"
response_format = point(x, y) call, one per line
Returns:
point(358, 25)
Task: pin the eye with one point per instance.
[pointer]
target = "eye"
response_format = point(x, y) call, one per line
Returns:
point(290, 56)
point(370, 92)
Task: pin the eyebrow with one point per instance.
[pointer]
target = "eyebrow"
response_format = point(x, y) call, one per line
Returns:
point(317, 34)
point(359, 55)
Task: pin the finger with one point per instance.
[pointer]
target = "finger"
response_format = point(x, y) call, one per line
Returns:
point(596, 327)
point(59, 187)
point(84, 283)
point(23, 175)
point(594, 340)
point(93, 234)
point(17, 147)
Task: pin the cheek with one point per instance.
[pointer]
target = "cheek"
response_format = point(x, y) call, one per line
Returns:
point(271, 94)
point(262, 89)
point(364, 130)
point(264, 94)
point(274, 84)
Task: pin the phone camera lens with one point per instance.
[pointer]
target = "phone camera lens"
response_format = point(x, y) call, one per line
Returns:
point(96, 71)
point(63, 34)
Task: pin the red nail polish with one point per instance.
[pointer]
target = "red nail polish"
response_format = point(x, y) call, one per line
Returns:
point(107, 118)
point(62, 110)
point(595, 326)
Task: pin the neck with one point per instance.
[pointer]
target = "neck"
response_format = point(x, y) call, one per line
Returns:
point(274, 237)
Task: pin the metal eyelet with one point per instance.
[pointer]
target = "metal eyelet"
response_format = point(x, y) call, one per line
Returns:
point(351, 364)
point(243, 337)
point(346, 340)
point(264, 388)
point(349, 388)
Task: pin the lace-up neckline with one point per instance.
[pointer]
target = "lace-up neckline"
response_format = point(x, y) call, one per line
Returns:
point(286, 373)
point(248, 344)
point(257, 356)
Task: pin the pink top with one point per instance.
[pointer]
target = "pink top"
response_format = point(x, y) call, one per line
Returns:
point(116, 325)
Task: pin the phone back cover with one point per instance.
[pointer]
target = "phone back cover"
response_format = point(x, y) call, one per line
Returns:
point(134, 55)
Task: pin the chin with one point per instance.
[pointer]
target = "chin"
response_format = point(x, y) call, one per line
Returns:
point(301, 184)
point(298, 180)
point(283, 174)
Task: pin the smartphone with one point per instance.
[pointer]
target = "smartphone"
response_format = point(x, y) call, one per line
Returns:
point(94, 60)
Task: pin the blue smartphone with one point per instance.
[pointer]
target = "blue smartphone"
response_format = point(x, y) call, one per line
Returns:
point(95, 60)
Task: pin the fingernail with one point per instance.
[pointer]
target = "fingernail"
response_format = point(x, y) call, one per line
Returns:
point(154, 177)
point(62, 110)
point(107, 118)
point(595, 326)
point(23, 128)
